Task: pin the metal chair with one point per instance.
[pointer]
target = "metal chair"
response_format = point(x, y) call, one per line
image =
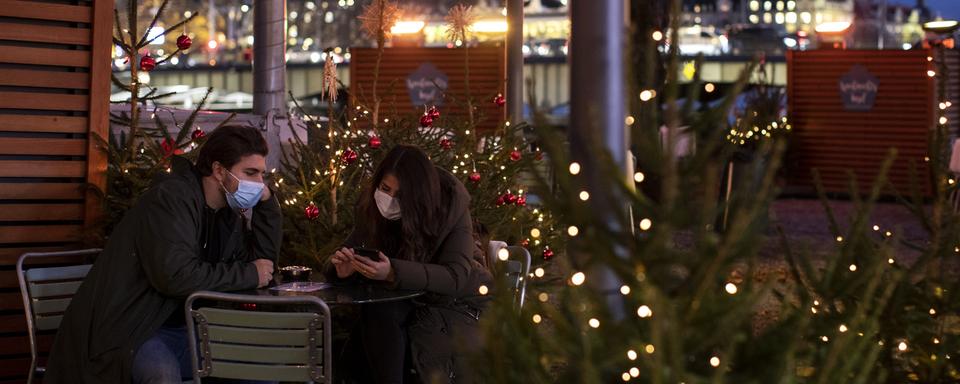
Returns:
point(46, 293)
point(515, 272)
point(285, 345)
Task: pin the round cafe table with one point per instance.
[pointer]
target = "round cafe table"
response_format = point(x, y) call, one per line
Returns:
point(341, 293)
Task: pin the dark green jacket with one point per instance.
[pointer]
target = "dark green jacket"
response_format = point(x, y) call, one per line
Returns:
point(153, 260)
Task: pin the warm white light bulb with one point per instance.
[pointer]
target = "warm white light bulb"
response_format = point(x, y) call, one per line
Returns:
point(644, 311)
point(645, 224)
point(578, 278)
point(731, 288)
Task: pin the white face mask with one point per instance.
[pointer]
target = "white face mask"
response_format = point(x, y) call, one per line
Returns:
point(389, 206)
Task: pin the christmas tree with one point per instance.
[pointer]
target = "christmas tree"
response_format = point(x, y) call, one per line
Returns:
point(321, 179)
point(692, 307)
point(136, 153)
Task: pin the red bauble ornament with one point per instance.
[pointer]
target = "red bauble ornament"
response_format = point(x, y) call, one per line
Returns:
point(525, 242)
point(426, 121)
point(475, 177)
point(446, 144)
point(434, 113)
point(547, 253)
point(374, 142)
point(197, 135)
point(184, 42)
point(349, 156)
point(311, 211)
point(510, 198)
point(522, 201)
point(501, 200)
point(499, 100)
point(170, 148)
point(515, 155)
point(148, 63)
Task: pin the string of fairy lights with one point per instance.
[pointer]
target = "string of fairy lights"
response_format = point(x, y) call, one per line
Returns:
point(644, 311)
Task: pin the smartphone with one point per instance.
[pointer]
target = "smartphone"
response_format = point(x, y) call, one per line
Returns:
point(369, 253)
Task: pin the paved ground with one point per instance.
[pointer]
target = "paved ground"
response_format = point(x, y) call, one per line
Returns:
point(805, 222)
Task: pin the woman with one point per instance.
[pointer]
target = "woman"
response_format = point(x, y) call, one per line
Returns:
point(418, 217)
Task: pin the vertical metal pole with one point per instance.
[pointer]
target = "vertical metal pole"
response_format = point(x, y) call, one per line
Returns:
point(514, 47)
point(597, 84)
point(883, 24)
point(270, 72)
point(597, 101)
point(211, 20)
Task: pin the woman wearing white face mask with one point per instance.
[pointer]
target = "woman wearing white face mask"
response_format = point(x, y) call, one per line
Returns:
point(418, 217)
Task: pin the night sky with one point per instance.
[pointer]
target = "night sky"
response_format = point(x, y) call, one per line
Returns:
point(949, 9)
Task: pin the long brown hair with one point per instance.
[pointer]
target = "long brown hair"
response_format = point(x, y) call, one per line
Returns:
point(421, 204)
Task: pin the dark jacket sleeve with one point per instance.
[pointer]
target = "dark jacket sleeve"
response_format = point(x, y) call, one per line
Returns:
point(168, 249)
point(266, 231)
point(449, 271)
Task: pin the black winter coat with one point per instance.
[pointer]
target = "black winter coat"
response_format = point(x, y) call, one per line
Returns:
point(158, 255)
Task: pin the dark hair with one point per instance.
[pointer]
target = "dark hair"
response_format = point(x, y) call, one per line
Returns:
point(421, 202)
point(227, 145)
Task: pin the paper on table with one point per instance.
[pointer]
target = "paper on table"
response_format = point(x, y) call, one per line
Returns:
point(301, 286)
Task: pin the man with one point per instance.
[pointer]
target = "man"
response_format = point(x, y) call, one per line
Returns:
point(185, 234)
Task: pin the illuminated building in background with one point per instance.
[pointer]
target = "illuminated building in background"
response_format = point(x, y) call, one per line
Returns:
point(797, 15)
point(874, 23)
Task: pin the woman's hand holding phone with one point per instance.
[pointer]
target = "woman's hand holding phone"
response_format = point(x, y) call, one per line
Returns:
point(379, 269)
point(343, 262)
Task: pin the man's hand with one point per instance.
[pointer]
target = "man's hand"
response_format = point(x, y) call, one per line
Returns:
point(266, 193)
point(374, 270)
point(264, 271)
point(342, 261)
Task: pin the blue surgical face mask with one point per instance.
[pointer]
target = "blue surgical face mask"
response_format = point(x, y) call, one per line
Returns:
point(247, 195)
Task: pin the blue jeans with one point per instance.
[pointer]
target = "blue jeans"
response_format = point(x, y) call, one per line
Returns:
point(165, 359)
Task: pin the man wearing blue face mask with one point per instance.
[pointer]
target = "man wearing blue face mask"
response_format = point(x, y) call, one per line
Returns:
point(186, 233)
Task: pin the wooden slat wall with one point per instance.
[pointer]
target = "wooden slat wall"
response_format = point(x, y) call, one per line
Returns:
point(54, 92)
point(833, 140)
point(487, 78)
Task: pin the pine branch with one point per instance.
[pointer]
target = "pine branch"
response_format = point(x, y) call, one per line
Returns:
point(116, 81)
point(188, 124)
point(150, 97)
point(172, 28)
point(153, 22)
point(116, 23)
point(174, 53)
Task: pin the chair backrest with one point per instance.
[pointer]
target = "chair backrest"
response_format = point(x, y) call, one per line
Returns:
point(492, 248)
point(290, 340)
point(514, 264)
point(47, 291)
